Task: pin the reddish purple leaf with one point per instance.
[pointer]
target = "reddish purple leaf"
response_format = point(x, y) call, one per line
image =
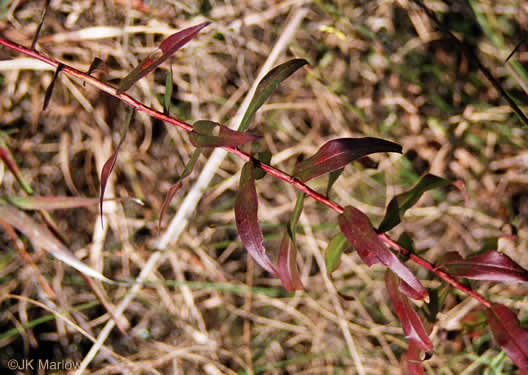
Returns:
point(8, 160)
point(358, 230)
point(509, 334)
point(287, 265)
point(490, 266)
point(411, 323)
point(105, 174)
point(168, 198)
point(337, 153)
point(414, 363)
point(202, 135)
point(246, 217)
point(110, 163)
point(162, 53)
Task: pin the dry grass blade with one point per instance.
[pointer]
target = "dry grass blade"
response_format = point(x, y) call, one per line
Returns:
point(41, 237)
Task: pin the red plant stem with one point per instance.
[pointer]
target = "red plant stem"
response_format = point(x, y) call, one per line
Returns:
point(241, 154)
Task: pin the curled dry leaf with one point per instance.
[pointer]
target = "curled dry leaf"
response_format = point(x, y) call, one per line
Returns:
point(490, 265)
point(358, 230)
point(246, 217)
point(337, 153)
point(509, 334)
point(162, 53)
point(203, 135)
point(412, 325)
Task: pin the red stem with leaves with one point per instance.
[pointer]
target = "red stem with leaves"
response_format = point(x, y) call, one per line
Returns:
point(244, 156)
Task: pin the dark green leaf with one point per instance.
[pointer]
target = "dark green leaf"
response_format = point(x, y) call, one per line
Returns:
point(264, 157)
point(332, 178)
point(333, 252)
point(402, 202)
point(266, 87)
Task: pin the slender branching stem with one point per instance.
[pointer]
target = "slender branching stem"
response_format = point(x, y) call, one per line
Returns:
point(241, 154)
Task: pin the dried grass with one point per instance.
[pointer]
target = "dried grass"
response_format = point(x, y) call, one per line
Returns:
point(377, 68)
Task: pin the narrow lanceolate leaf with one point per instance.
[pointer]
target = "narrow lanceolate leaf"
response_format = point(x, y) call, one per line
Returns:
point(203, 135)
point(266, 87)
point(170, 194)
point(162, 53)
point(337, 153)
point(172, 191)
point(10, 163)
point(490, 266)
point(412, 325)
point(333, 252)
point(509, 334)
point(358, 230)
point(41, 237)
point(110, 163)
point(402, 202)
point(49, 90)
point(246, 217)
point(287, 265)
point(39, 27)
